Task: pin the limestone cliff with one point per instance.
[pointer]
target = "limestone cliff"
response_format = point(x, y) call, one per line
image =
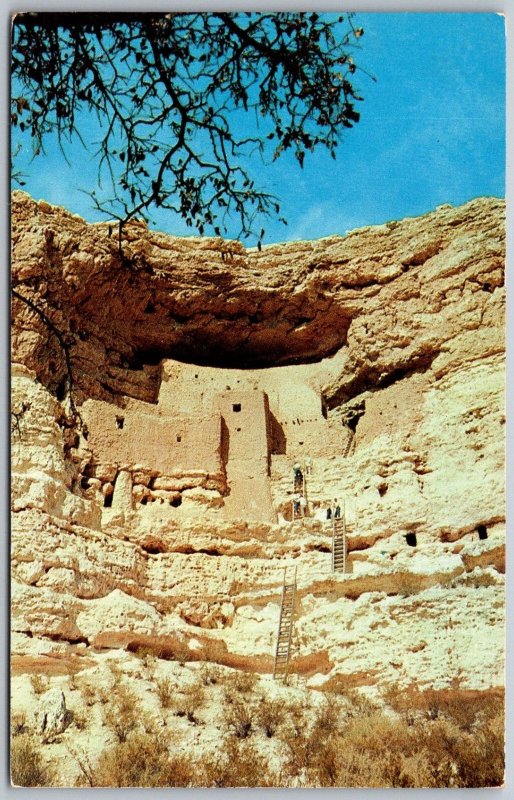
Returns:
point(201, 373)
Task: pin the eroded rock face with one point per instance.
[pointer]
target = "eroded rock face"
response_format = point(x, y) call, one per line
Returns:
point(380, 355)
point(52, 716)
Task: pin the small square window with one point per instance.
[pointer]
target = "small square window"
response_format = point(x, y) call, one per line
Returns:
point(236, 406)
point(179, 438)
point(120, 422)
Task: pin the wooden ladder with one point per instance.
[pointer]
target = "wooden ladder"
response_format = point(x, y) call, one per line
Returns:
point(304, 493)
point(285, 625)
point(350, 444)
point(339, 545)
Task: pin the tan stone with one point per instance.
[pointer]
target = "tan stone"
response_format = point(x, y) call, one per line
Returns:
point(394, 332)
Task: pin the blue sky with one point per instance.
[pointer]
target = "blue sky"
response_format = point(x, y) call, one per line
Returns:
point(432, 131)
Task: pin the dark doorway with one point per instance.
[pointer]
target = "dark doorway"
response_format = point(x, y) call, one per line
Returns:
point(482, 532)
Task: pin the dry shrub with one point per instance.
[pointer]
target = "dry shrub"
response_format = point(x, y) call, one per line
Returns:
point(73, 680)
point(358, 704)
point(238, 764)
point(148, 660)
point(104, 695)
point(27, 764)
point(238, 717)
point(326, 758)
point(210, 674)
point(116, 673)
point(313, 750)
point(327, 719)
point(298, 753)
point(150, 724)
point(143, 760)
point(92, 693)
point(165, 691)
point(121, 715)
point(182, 653)
point(239, 682)
point(40, 684)
point(89, 693)
point(378, 732)
point(293, 735)
point(145, 654)
point(80, 719)
point(191, 701)
point(18, 723)
point(270, 715)
point(427, 753)
point(467, 710)
point(87, 773)
point(463, 707)
point(371, 750)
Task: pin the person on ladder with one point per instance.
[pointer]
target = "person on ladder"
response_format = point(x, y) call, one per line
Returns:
point(298, 477)
point(303, 505)
point(297, 498)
